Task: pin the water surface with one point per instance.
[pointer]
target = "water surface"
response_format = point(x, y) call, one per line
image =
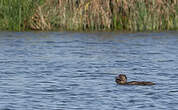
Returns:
point(71, 71)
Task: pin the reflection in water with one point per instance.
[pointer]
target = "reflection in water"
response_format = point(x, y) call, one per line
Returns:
point(52, 71)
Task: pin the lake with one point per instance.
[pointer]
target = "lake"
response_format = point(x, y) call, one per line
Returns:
point(71, 71)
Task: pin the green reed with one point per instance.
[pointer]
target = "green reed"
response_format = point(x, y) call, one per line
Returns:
point(15, 14)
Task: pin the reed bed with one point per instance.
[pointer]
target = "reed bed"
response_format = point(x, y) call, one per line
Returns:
point(15, 15)
point(92, 15)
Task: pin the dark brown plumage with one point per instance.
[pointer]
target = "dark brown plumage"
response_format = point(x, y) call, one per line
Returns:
point(122, 80)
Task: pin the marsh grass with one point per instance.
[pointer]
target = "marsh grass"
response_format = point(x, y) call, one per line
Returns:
point(15, 14)
point(92, 15)
point(124, 15)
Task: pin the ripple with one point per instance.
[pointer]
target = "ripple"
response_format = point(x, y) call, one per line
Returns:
point(58, 71)
point(174, 91)
point(153, 53)
point(55, 90)
point(165, 60)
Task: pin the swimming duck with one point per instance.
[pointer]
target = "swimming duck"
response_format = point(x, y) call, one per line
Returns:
point(122, 80)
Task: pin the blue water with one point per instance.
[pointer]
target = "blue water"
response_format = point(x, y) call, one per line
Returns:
point(71, 71)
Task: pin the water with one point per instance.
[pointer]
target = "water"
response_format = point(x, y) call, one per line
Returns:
point(71, 71)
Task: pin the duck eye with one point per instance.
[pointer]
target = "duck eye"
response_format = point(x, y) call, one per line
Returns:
point(118, 79)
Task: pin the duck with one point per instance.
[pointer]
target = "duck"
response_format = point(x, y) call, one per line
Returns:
point(122, 80)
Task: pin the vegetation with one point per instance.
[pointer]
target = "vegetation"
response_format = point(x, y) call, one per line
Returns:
point(92, 15)
point(15, 15)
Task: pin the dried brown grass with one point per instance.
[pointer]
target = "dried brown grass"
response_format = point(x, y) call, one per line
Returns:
point(130, 15)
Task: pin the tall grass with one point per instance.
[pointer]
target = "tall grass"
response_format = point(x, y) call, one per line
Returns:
point(15, 14)
point(141, 15)
point(73, 15)
point(82, 15)
point(129, 15)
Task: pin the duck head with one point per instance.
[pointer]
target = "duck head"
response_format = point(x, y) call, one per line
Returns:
point(121, 79)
